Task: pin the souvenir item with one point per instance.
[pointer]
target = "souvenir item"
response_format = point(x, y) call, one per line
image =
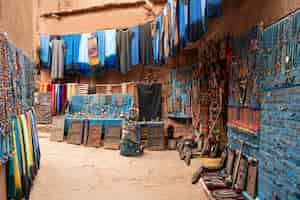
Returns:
point(43, 114)
point(242, 175)
point(85, 132)
point(156, 137)
point(237, 163)
point(112, 137)
point(252, 178)
point(57, 134)
point(94, 135)
point(75, 134)
point(230, 161)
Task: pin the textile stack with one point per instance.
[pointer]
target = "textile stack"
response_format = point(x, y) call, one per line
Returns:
point(59, 94)
point(19, 146)
point(181, 22)
point(43, 108)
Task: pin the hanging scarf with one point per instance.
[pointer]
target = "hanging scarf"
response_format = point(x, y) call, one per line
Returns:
point(25, 178)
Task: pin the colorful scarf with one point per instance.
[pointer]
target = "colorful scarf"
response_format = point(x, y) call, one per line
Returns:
point(93, 51)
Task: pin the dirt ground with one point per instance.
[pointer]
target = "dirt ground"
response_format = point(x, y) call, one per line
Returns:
point(71, 172)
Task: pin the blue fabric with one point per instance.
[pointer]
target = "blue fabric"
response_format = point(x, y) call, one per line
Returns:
point(197, 19)
point(45, 50)
point(172, 32)
point(204, 13)
point(58, 98)
point(18, 145)
point(156, 40)
point(68, 39)
point(214, 8)
point(182, 23)
point(110, 49)
point(101, 46)
point(135, 56)
point(75, 54)
point(83, 56)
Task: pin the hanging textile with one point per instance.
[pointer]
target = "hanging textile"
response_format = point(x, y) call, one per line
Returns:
point(167, 30)
point(146, 53)
point(83, 56)
point(68, 40)
point(182, 19)
point(135, 56)
point(93, 51)
point(149, 101)
point(58, 57)
point(110, 48)
point(197, 18)
point(45, 50)
point(101, 46)
point(25, 161)
point(157, 39)
point(75, 52)
point(214, 8)
point(124, 38)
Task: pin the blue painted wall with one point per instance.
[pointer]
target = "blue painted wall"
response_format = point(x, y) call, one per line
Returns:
point(277, 144)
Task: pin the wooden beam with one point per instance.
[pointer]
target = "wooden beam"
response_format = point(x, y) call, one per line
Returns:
point(67, 12)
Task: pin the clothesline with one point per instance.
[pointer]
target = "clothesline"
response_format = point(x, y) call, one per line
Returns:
point(152, 42)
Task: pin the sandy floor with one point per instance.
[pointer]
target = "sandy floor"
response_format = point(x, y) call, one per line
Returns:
point(71, 172)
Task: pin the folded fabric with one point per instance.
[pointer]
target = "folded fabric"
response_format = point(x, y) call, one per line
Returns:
point(45, 50)
point(110, 48)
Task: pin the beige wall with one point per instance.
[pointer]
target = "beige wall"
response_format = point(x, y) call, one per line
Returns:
point(116, 15)
point(17, 21)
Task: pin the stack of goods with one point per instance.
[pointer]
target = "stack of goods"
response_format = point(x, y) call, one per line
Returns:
point(62, 94)
point(76, 132)
point(156, 136)
point(57, 132)
point(93, 136)
point(179, 93)
point(180, 22)
point(112, 137)
point(19, 147)
point(100, 105)
point(43, 108)
point(59, 92)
